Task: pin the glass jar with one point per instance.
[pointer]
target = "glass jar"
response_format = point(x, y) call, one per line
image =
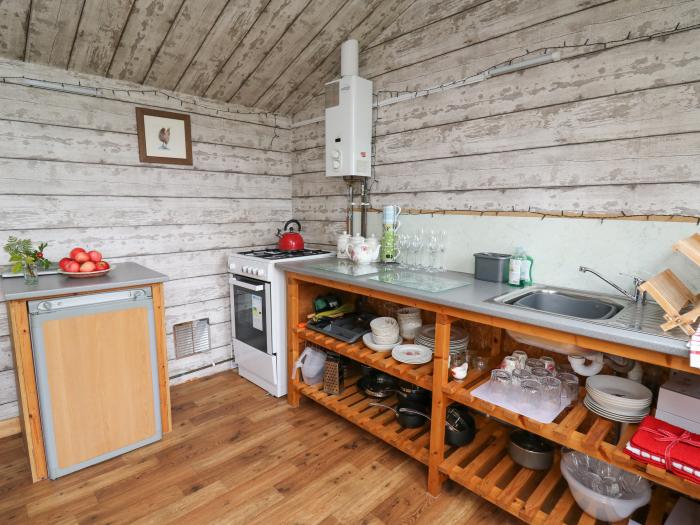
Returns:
point(30, 273)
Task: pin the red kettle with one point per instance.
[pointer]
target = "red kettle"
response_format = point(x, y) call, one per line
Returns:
point(290, 240)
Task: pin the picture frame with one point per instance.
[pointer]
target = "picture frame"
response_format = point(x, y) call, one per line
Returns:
point(164, 137)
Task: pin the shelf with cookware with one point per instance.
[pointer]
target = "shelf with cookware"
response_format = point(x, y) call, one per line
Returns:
point(534, 496)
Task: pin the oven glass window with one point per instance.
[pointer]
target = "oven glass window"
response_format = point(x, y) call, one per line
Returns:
point(250, 312)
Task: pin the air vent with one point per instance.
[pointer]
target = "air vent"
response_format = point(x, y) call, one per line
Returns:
point(191, 337)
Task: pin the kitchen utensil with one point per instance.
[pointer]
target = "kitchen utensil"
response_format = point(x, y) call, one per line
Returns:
point(569, 384)
point(385, 330)
point(411, 393)
point(592, 481)
point(377, 385)
point(333, 376)
point(491, 267)
point(368, 340)
point(349, 328)
point(412, 354)
point(459, 426)
point(530, 451)
point(406, 416)
point(311, 362)
point(410, 322)
point(84, 275)
point(363, 253)
point(342, 245)
point(290, 239)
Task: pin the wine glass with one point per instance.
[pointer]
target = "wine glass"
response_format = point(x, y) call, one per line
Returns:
point(434, 248)
point(442, 248)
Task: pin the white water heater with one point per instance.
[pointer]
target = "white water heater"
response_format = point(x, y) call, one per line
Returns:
point(349, 119)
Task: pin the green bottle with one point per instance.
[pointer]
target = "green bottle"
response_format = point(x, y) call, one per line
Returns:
point(526, 263)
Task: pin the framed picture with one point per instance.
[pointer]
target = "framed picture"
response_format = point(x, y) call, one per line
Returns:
point(164, 137)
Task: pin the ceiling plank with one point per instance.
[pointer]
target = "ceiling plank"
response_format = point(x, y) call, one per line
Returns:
point(186, 36)
point(292, 43)
point(52, 29)
point(224, 38)
point(99, 33)
point(270, 26)
point(14, 15)
point(381, 18)
point(146, 30)
point(420, 14)
point(328, 39)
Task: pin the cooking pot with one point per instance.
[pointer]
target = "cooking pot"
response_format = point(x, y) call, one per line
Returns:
point(407, 417)
point(530, 450)
point(290, 239)
point(377, 385)
point(459, 425)
point(408, 392)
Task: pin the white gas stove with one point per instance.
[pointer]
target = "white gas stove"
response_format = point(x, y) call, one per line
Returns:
point(258, 314)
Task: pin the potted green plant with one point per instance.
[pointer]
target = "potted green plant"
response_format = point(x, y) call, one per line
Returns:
point(26, 258)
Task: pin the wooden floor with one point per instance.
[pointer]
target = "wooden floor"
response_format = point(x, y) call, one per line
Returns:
point(237, 455)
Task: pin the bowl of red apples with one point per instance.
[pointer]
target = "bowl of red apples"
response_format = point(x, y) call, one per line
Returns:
point(81, 264)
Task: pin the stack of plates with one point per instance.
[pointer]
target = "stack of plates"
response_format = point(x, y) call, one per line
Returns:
point(412, 354)
point(459, 338)
point(617, 398)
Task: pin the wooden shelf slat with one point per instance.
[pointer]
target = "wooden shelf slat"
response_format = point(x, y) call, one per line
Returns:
point(421, 375)
point(579, 429)
point(690, 247)
point(380, 422)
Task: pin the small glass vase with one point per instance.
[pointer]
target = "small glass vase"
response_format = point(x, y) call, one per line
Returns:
point(30, 274)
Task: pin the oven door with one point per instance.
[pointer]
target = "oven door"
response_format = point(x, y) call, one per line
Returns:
point(250, 314)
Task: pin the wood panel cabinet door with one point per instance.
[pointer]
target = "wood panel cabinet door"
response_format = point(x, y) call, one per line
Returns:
point(97, 378)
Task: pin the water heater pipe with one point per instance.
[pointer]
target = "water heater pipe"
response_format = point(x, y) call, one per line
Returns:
point(349, 58)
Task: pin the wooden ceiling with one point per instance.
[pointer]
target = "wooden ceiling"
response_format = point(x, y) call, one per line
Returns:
point(254, 52)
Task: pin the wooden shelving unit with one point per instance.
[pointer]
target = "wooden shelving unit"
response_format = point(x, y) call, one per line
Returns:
point(354, 406)
point(579, 429)
point(484, 466)
point(421, 375)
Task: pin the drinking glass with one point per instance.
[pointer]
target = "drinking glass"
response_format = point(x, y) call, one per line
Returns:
point(533, 363)
point(509, 364)
point(549, 364)
point(442, 248)
point(422, 245)
point(433, 247)
point(499, 384)
point(551, 393)
point(521, 357)
point(529, 395)
point(416, 247)
point(518, 376)
point(401, 244)
point(569, 384)
point(539, 373)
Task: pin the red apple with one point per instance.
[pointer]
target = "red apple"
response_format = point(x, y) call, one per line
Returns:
point(63, 262)
point(72, 266)
point(88, 266)
point(95, 256)
point(102, 265)
point(75, 251)
point(81, 257)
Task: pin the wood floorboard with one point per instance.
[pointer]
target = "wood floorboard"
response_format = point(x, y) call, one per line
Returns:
point(237, 455)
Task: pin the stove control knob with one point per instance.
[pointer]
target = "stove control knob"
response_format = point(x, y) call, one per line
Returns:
point(259, 273)
point(245, 269)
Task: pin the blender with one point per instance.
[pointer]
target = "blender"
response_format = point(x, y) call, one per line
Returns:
point(390, 225)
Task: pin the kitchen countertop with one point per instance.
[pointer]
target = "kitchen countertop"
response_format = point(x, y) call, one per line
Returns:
point(474, 298)
point(122, 275)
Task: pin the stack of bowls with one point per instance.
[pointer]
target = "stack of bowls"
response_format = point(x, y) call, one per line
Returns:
point(459, 338)
point(410, 322)
point(617, 398)
point(384, 335)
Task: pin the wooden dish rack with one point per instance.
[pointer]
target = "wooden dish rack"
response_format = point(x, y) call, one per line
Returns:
point(674, 296)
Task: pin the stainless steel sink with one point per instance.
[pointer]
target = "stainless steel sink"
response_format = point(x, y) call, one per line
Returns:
point(560, 301)
point(598, 308)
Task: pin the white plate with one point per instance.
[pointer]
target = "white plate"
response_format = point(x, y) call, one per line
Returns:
point(616, 410)
point(616, 404)
point(619, 389)
point(457, 335)
point(611, 415)
point(369, 343)
point(412, 354)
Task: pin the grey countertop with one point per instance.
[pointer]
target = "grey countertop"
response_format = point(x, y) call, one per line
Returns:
point(474, 298)
point(122, 275)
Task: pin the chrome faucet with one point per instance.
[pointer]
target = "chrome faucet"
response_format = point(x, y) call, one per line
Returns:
point(638, 296)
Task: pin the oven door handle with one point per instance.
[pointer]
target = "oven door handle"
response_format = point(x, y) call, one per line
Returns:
point(247, 286)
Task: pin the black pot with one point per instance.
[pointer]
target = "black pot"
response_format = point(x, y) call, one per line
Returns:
point(413, 419)
point(377, 385)
point(459, 417)
point(411, 393)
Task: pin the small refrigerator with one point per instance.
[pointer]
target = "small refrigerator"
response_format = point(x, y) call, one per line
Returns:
point(97, 376)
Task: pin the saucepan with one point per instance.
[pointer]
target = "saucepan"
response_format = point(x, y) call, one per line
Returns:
point(377, 385)
point(407, 417)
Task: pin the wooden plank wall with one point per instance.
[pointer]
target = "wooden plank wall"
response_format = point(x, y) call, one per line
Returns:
point(70, 175)
point(609, 128)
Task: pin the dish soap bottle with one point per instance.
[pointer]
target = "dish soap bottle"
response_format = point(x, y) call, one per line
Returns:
point(525, 267)
point(515, 268)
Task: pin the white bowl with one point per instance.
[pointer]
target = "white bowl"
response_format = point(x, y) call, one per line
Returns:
point(372, 344)
point(603, 507)
point(385, 339)
point(384, 325)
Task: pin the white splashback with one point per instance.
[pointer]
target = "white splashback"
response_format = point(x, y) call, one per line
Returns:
point(560, 246)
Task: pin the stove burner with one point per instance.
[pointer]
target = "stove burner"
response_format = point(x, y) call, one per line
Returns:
point(275, 253)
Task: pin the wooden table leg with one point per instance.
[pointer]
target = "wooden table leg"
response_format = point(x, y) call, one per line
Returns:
point(437, 424)
point(292, 339)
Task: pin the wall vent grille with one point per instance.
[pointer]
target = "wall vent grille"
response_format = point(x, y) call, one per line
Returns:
point(191, 337)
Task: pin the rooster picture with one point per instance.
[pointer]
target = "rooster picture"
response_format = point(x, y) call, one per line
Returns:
point(164, 137)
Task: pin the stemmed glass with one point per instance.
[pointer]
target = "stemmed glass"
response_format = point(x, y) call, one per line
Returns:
point(442, 248)
point(402, 245)
point(416, 247)
point(434, 248)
